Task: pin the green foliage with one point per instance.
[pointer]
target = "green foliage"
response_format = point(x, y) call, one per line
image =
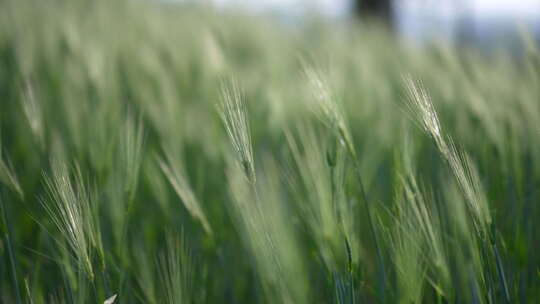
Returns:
point(325, 164)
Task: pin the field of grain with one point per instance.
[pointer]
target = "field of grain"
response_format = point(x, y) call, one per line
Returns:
point(160, 153)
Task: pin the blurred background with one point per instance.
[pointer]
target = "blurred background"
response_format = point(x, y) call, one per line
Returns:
point(483, 24)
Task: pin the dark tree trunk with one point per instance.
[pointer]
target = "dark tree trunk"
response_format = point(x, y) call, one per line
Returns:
point(380, 10)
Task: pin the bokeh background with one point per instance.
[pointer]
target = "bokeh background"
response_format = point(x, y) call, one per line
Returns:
point(485, 24)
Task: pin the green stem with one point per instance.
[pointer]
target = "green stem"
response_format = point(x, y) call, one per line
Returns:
point(500, 267)
point(380, 260)
point(10, 250)
point(333, 187)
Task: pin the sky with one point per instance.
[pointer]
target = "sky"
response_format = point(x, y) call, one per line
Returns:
point(327, 7)
point(512, 7)
point(494, 20)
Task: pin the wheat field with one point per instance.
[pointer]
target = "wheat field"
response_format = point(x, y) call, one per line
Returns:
point(161, 153)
